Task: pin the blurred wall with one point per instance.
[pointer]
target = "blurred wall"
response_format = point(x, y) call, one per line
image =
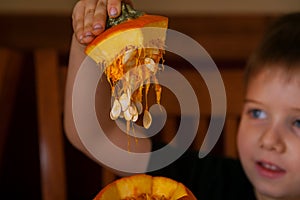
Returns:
point(36, 6)
point(159, 6)
point(218, 6)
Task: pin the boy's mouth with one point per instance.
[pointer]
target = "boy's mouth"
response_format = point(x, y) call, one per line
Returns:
point(269, 170)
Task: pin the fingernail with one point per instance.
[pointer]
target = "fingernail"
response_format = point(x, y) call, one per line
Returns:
point(80, 37)
point(88, 34)
point(113, 11)
point(98, 27)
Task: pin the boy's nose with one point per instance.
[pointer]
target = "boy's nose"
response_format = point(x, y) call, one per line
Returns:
point(271, 139)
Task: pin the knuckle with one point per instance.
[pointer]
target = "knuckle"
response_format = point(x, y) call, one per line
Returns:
point(90, 11)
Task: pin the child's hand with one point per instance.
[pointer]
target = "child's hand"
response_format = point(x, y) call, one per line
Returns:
point(89, 17)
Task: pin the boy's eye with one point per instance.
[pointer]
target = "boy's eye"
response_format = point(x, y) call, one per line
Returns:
point(257, 114)
point(297, 123)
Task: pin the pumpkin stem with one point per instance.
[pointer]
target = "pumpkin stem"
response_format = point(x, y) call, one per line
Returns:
point(127, 13)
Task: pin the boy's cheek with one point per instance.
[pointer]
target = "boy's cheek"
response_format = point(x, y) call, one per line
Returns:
point(240, 139)
point(244, 136)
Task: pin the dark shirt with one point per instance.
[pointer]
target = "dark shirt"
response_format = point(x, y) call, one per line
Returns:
point(210, 178)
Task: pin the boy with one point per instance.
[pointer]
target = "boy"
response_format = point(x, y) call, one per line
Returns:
point(268, 135)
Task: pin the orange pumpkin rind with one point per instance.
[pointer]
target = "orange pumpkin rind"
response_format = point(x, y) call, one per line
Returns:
point(109, 44)
point(145, 187)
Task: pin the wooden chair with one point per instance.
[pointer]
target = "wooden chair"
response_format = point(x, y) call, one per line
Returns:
point(49, 88)
point(10, 69)
point(50, 84)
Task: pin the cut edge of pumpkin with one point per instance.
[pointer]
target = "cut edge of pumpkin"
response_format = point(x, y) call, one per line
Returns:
point(163, 186)
point(113, 41)
point(136, 185)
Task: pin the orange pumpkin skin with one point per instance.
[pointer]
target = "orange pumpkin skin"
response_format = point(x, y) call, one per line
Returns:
point(140, 22)
point(106, 47)
point(145, 187)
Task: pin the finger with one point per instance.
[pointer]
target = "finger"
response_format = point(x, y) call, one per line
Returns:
point(88, 19)
point(78, 20)
point(99, 19)
point(113, 8)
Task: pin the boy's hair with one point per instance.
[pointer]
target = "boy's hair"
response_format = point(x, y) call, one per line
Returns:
point(281, 44)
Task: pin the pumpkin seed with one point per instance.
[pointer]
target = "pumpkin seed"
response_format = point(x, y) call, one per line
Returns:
point(128, 55)
point(139, 107)
point(124, 101)
point(127, 115)
point(132, 109)
point(135, 117)
point(116, 110)
point(147, 119)
point(150, 64)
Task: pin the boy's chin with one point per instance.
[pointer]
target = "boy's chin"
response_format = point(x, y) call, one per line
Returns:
point(270, 193)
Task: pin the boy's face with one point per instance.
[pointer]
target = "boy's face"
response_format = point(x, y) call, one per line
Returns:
point(269, 134)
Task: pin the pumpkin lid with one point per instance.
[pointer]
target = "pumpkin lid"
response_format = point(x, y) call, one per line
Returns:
point(126, 32)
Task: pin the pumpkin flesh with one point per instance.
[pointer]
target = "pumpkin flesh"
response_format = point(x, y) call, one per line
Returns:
point(144, 187)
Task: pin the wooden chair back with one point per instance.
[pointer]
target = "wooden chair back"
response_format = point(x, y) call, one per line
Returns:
point(49, 88)
point(10, 69)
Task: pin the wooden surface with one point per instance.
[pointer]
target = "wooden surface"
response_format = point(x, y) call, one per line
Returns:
point(10, 71)
point(49, 105)
point(225, 37)
point(28, 32)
